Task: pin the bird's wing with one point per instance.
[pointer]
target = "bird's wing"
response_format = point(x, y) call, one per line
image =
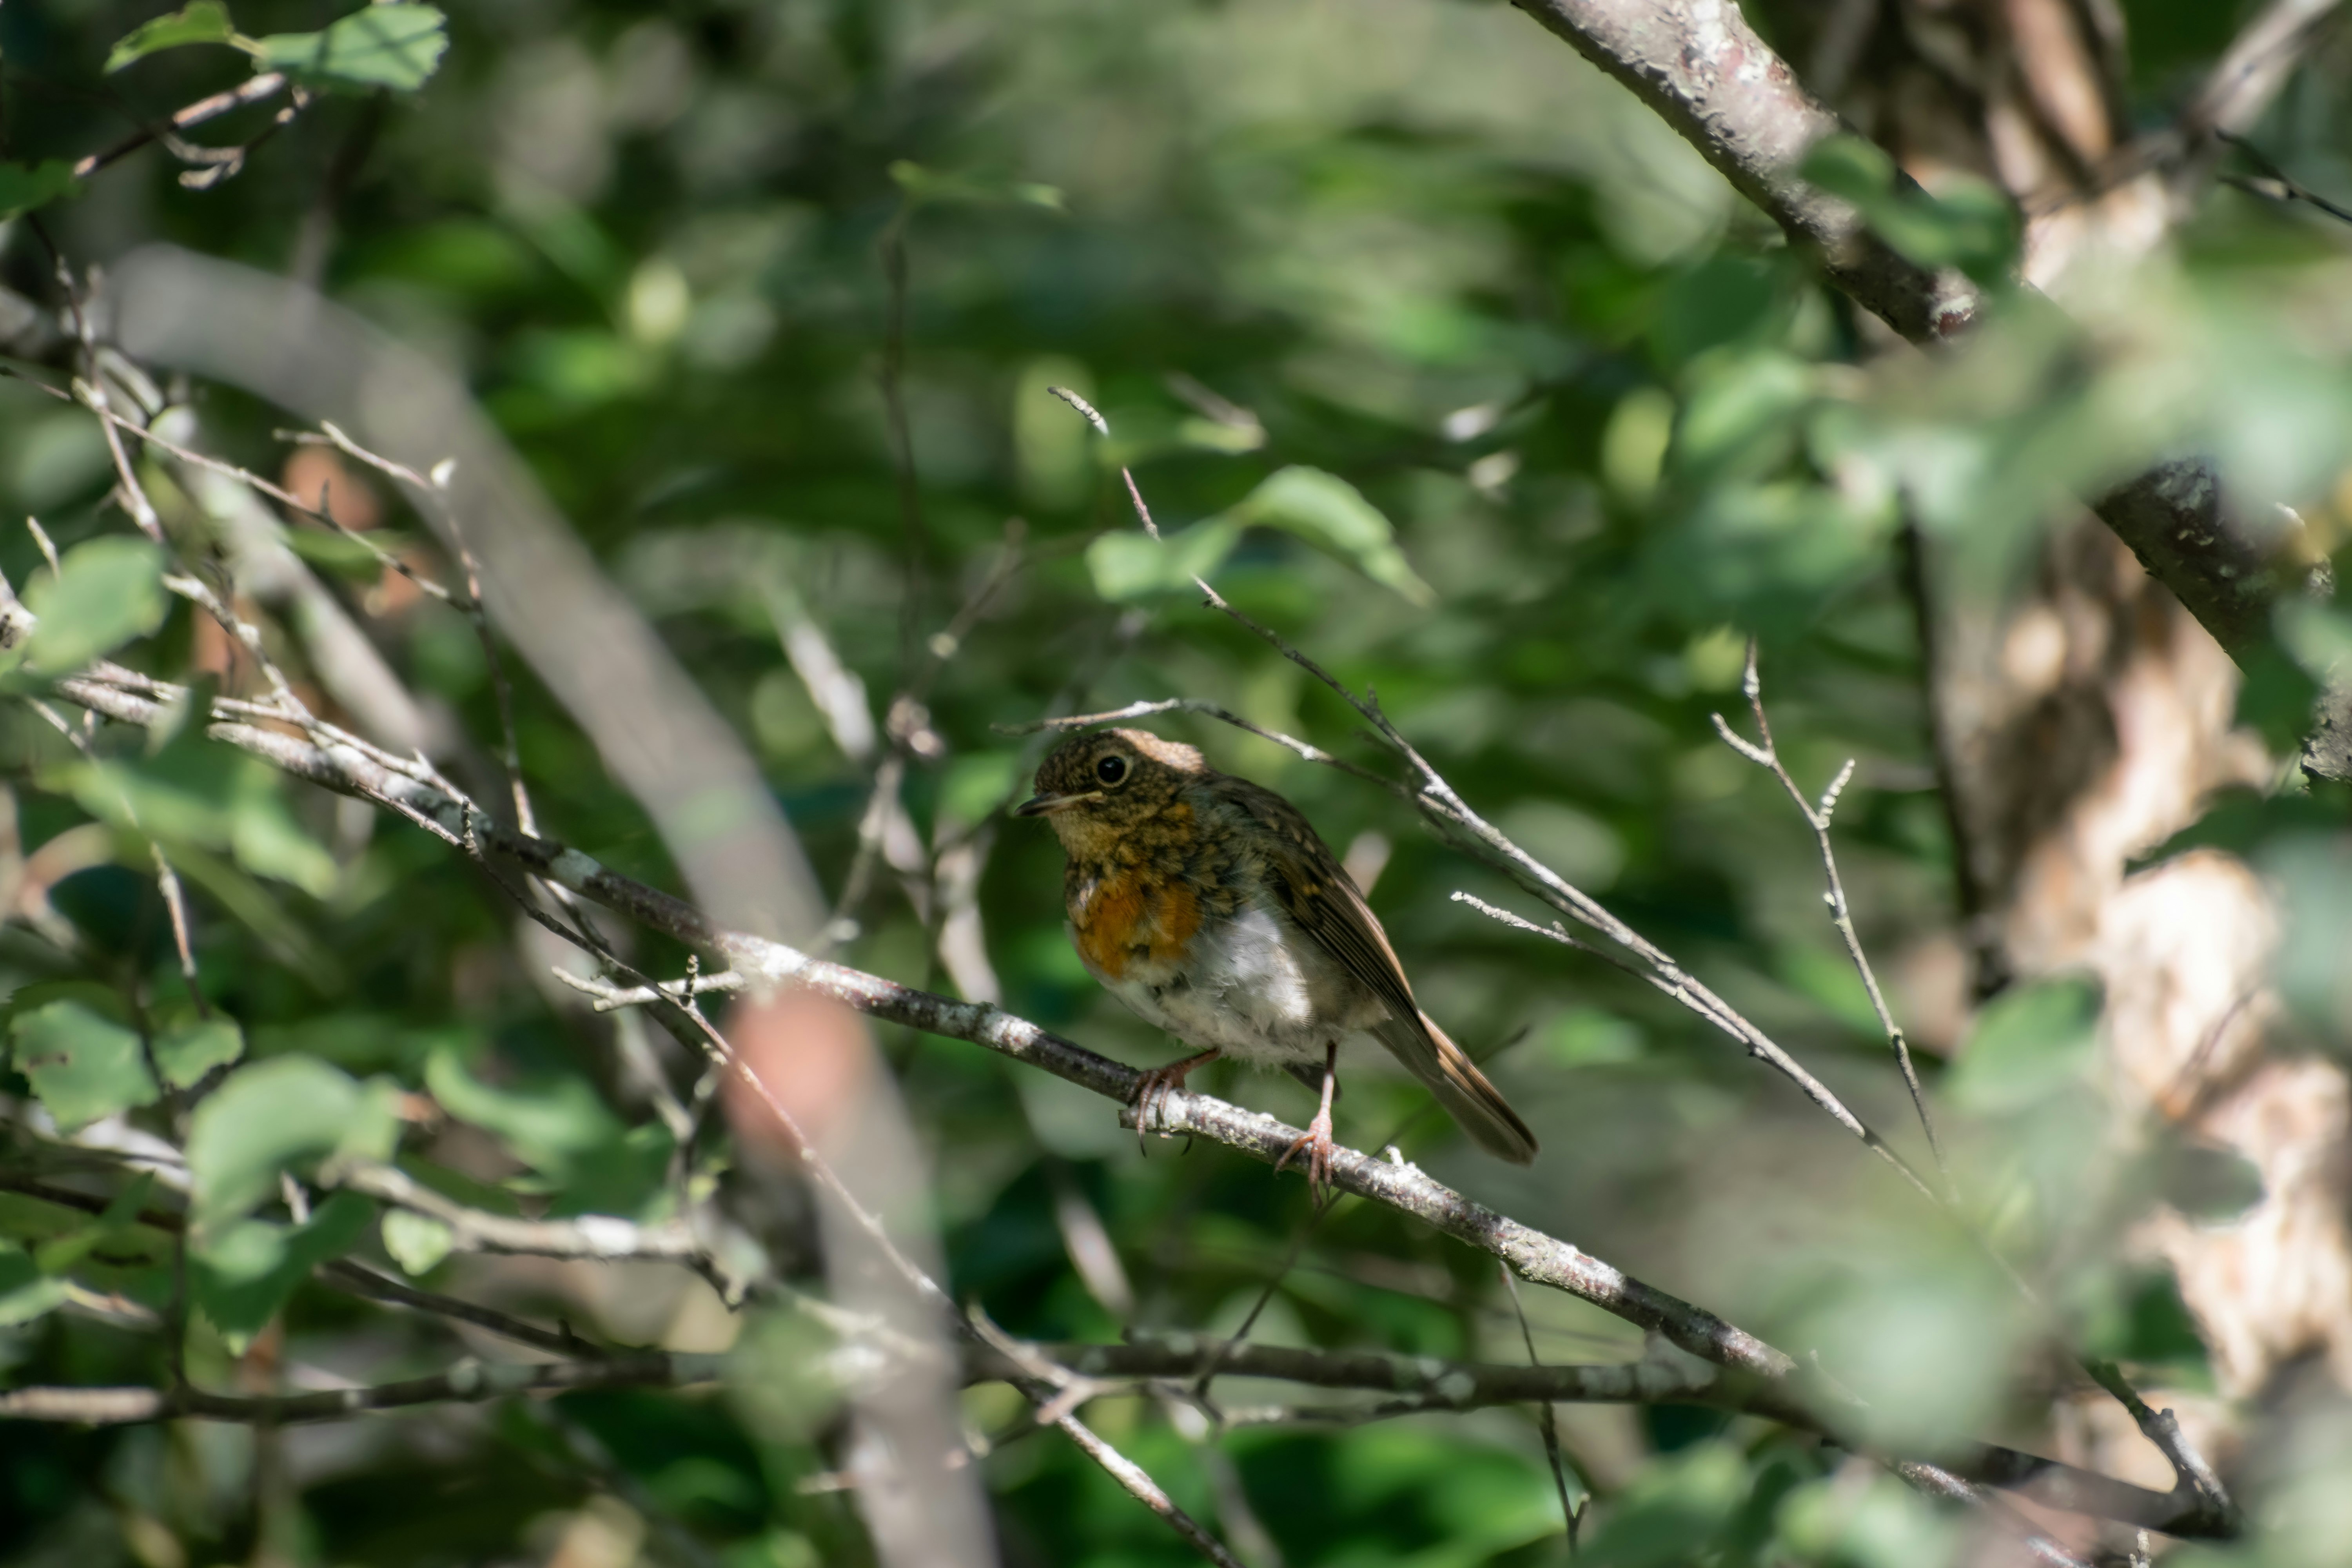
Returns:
point(1316, 892)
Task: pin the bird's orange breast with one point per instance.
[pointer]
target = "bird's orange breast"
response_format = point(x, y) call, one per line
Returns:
point(1126, 917)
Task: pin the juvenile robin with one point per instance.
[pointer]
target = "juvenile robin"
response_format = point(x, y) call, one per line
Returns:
point(1209, 907)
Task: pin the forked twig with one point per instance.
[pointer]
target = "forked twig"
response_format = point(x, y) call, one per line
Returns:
point(1817, 815)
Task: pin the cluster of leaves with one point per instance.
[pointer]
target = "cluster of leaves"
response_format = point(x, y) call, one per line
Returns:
point(1476, 385)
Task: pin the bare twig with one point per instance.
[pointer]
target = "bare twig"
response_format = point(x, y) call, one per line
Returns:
point(257, 90)
point(609, 996)
point(1221, 1352)
point(1040, 1371)
point(1144, 710)
point(1766, 755)
point(1438, 800)
point(2273, 183)
point(434, 491)
point(604, 1237)
point(469, 1382)
point(1544, 1259)
point(1571, 1515)
point(167, 880)
point(1102, 428)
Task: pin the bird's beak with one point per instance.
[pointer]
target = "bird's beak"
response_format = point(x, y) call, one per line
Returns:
point(1046, 803)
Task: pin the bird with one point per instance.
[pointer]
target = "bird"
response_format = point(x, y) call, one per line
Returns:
point(1211, 906)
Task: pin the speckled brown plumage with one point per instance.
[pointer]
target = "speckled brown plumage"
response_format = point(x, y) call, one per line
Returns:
point(1211, 906)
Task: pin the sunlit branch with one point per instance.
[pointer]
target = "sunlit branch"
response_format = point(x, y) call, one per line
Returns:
point(350, 768)
point(1817, 815)
point(469, 1381)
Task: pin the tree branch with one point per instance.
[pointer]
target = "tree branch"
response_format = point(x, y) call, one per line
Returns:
point(469, 1382)
point(1767, 755)
point(257, 90)
point(602, 1237)
point(1774, 1378)
point(1699, 65)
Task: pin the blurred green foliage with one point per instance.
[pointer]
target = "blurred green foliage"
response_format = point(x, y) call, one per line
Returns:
point(1429, 349)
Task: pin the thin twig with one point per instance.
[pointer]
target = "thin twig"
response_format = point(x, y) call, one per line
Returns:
point(167, 880)
point(434, 491)
point(1144, 710)
point(258, 90)
point(1102, 428)
point(1040, 1372)
point(2274, 183)
point(1571, 1515)
point(1542, 1258)
point(609, 996)
point(1439, 801)
point(1764, 755)
point(603, 1238)
point(469, 1381)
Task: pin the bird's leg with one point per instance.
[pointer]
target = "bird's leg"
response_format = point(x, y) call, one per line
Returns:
point(1152, 1090)
point(1318, 1141)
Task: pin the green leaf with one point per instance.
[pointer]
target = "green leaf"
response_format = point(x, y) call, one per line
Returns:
point(104, 1000)
point(556, 1124)
point(23, 187)
point(245, 1273)
point(199, 22)
point(1128, 565)
point(272, 1116)
point(1329, 512)
point(2209, 1183)
point(1852, 167)
point(84, 1067)
point(26, 1292)
point(923, 184)
point(201, 793)
point(1673, 1510)
point(396, 47)
point(2027, 1043)
point(188, 1052)
point(118, 1227)
point(107, 592)
point(416, 1241)
point(1973, 225)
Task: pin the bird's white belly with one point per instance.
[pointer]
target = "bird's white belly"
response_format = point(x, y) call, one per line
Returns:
point(1253, 987)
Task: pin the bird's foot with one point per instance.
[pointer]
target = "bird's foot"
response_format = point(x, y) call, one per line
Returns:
point(1152, 1090)
point(1318, 1141)
point(1318, 1145)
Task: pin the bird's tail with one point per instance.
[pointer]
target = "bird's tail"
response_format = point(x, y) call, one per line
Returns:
point(1459, 1086)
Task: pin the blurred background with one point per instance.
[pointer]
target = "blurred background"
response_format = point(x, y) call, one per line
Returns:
point(1436, 351)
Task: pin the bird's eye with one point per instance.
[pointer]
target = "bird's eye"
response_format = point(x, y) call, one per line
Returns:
point(1111, 769)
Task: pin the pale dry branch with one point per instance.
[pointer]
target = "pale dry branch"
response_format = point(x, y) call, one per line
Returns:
point(1102, 428)
point(1778, 1385)
point(261, 89)
point(602, 1237)
point(433, 491)
point(1438, 800)
point(324, 516)
point(1057, 1392)
point(1702, 68)
point(469, 1381)
point(609, 996)
point(1570, 1516)
point(1144, 710)
point(1766, 754)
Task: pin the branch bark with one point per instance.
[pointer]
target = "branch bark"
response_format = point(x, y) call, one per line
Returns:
point(1699, 65)
point(467, 1382)
point(1767, 1379)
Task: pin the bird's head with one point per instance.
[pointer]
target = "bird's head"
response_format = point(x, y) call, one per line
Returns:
point(1097, 786)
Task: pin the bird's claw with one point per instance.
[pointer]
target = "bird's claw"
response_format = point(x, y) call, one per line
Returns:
point(1317, 1142)
point(1153, 1088)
